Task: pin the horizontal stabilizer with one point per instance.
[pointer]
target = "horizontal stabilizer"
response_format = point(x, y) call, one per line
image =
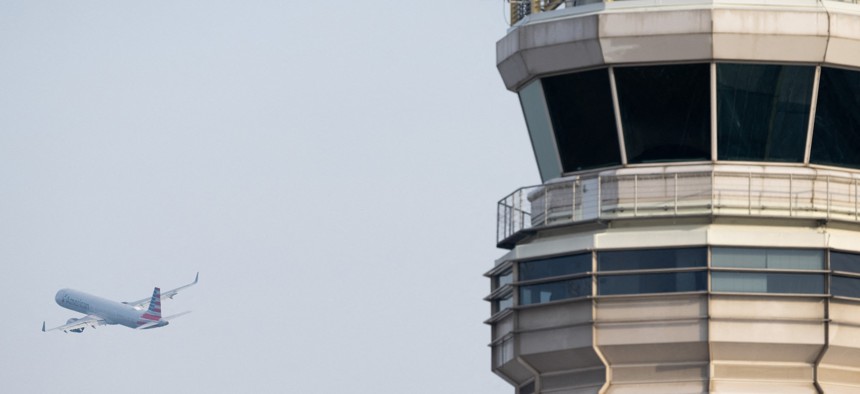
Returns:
point(150, 325)
point(160, 323)
point(175, 316)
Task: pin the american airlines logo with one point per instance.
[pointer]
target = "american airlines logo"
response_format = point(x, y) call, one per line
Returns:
point(78, 303)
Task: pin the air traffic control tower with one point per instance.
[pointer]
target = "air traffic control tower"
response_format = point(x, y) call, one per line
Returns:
point(697, 228)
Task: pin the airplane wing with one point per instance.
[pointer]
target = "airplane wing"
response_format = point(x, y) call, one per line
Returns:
point(142, 304)
point(79, 324)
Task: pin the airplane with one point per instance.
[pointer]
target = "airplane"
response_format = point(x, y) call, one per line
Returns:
point(100, 311)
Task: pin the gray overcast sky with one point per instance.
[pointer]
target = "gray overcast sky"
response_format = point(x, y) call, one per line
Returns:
point(330, 168)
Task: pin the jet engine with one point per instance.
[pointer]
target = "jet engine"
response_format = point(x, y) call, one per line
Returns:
point(72, 320)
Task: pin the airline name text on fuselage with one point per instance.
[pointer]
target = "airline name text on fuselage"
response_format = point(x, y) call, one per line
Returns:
point(71, 301)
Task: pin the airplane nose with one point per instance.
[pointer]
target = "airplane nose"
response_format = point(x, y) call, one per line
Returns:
point(59, 296)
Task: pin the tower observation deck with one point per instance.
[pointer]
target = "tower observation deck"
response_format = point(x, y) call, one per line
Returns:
point(697, 225)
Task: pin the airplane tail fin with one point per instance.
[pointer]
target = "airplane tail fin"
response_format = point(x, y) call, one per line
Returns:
point(154, 311)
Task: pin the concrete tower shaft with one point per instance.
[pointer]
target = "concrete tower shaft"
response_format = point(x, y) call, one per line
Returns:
point(697, 228)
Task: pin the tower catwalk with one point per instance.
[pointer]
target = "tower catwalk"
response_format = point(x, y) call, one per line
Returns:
point(697, 229)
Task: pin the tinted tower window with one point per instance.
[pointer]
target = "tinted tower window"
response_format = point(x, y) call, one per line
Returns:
point(836, 138)
point(763, 111)
point(665, 111)
point(580, 106)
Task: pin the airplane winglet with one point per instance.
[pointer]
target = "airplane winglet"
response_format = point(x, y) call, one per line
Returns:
point(43, 326)
point(141, 304)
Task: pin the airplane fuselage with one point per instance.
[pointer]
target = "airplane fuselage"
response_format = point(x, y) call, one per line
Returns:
point(140, 314)
point(111, 311)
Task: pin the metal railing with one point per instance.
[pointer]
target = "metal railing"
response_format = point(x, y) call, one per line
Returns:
point(608, 197)
point(521, 8)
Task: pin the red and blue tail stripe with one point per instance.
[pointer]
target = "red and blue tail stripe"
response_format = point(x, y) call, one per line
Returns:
point(152, 314)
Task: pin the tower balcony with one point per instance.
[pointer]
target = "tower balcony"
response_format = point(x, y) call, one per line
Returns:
point(706, 190)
